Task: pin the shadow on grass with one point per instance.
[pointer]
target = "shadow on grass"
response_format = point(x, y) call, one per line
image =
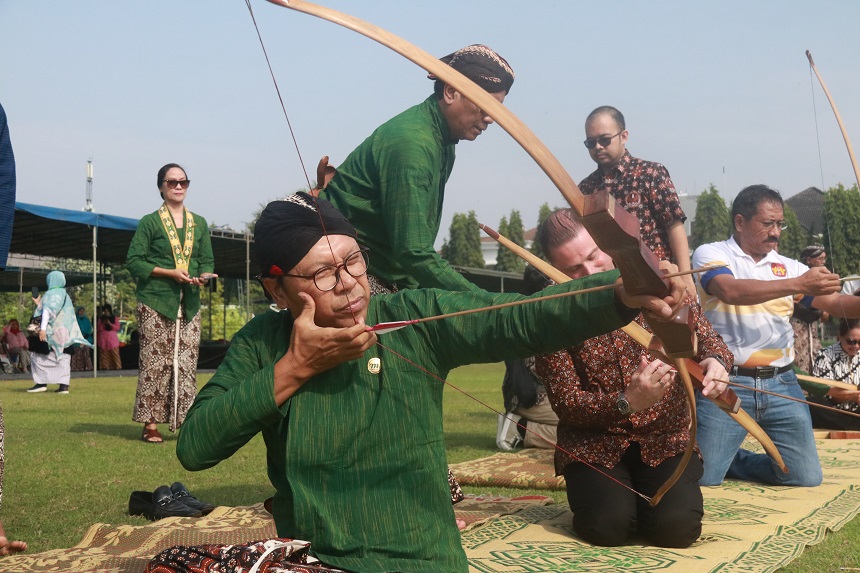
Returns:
point(131, 431)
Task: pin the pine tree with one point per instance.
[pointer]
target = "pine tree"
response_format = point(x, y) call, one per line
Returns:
point(503, 254)
point(713, 221)
point(463, 247)
point(516, 234)
point(543, 213)
point(512, 229)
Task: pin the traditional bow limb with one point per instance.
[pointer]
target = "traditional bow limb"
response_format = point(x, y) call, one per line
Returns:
point(325, 172)
point(638, 265)
point(727, 401)
point(793, 399)
point(827, 382)
point(838, 118)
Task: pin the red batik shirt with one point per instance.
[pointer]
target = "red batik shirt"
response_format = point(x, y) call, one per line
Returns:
point(584, 382)
point(645, 189)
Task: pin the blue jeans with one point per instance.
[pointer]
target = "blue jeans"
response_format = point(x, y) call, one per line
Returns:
point(787, 423)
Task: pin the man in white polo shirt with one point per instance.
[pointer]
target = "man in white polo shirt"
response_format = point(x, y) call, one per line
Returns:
point(749, 302)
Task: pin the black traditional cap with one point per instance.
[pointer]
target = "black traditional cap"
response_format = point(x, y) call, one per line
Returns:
point(483, 66)
point(288, 229)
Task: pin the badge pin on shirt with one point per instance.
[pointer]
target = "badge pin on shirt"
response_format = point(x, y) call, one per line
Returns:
point(374, 365)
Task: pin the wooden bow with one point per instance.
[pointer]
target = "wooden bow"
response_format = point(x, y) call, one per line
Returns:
point(838, 118)
point(637, 264)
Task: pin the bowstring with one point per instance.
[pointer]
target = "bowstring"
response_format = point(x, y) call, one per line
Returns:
point(355, 319)
point(292, 135)
point(278, 90)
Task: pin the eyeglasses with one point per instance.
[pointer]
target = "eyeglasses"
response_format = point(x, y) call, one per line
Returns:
point(851, 342)
point(171, 183)
point(326, 278)
point(768, 225)
point(603, 140)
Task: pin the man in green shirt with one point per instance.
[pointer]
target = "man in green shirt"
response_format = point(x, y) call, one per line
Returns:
point(352, 424)
point(391, 187)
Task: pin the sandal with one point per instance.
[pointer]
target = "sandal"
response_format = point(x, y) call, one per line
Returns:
point(151, 436)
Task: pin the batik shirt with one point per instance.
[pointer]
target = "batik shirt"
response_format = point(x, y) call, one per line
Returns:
point(834, 363)
point(391, 188)
point(357, 458)
point(645, 189)
point(584, 383)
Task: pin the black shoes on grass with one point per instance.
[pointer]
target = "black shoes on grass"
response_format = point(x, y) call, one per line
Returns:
point(173, 501)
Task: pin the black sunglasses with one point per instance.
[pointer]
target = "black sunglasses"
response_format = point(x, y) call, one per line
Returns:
point(603, 140)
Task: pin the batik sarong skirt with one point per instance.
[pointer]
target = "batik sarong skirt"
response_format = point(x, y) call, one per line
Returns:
point(159, 398)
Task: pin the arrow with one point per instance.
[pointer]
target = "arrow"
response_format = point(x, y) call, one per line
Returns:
point(385, 327)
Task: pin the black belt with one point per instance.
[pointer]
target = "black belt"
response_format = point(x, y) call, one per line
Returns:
point(761, 372)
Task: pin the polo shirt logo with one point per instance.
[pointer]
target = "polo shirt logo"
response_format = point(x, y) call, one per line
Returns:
point(778, 269)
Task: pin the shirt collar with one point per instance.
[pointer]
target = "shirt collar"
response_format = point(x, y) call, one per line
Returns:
point(622, 166)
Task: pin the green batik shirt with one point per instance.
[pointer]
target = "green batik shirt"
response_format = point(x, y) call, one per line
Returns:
point(358, 459)
point(150, 248)
point(391, 188)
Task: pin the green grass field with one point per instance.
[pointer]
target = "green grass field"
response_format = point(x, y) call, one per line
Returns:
point(73, 460)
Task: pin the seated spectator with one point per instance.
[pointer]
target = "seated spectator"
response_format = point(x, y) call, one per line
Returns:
point(82, 359)
point(840, 362)
point(526, 402)
point(17, 347)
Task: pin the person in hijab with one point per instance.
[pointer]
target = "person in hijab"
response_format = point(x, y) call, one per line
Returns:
point(60, 331)
point(82, 359)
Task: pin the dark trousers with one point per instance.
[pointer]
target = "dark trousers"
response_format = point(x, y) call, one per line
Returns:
point(606, 514)
point(829, 419)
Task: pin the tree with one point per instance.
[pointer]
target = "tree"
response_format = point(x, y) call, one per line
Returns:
point(543, 213)
point(794, 238)
point(514, 231)
point(503, 254)
point(712, 222)
point(841, 229)
point(463, 246)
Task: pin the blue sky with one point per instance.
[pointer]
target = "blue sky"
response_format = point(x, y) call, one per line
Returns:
point(719, 92)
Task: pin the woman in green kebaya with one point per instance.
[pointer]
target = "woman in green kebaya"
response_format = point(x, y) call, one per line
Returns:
point(170, 256)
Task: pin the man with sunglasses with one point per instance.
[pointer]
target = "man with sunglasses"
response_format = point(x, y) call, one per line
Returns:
point(392, 186)
point(643, 187)
point(750, 302)
point(353, 429)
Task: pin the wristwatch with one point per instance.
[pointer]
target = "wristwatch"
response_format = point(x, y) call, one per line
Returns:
point(623, 405)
